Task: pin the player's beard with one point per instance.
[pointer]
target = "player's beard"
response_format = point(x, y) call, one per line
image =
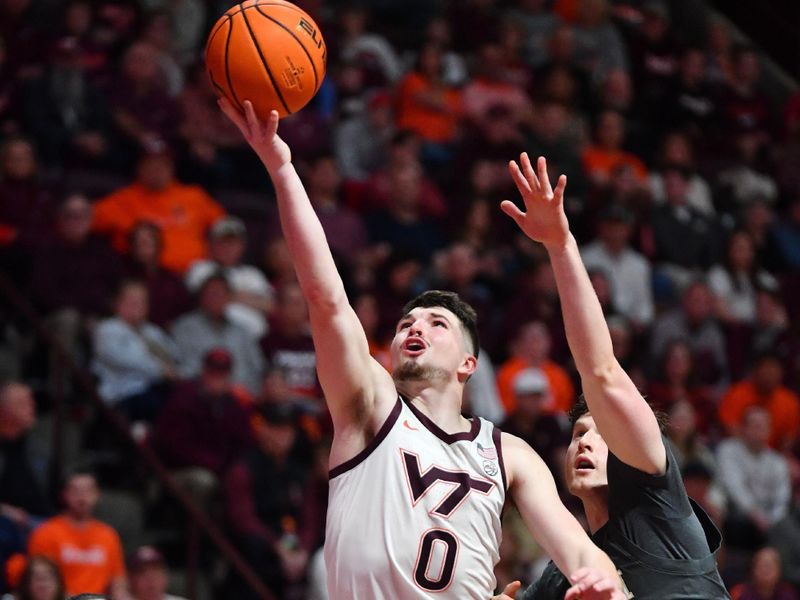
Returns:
point(412, 371)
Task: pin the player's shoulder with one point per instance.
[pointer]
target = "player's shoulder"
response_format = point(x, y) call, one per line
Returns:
point(520, 459)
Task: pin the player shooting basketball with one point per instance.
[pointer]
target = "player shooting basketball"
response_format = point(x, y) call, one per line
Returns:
point(618, 463)
point(417, 489)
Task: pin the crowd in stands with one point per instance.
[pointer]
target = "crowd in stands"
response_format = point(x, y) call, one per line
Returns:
point(143, 230)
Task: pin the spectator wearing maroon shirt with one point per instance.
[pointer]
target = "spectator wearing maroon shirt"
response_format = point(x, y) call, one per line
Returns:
point(743, 104)
point(264, 499)
point(203, 427)
point(168, 295)
point(288, 346)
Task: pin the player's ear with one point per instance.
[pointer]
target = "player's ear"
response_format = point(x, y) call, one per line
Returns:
point(468, 366)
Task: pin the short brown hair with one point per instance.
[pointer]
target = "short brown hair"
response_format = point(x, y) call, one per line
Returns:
point(452, 302)
point(580, 408)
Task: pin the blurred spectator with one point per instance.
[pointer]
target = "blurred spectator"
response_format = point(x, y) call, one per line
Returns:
point(8, 93)
point(41, 580)
point(211, 139)
point(533, 420)
point(598, 45)
point(87, 551)
point(474, 22)
point(481, 396)
point(24, 466)
point(148, 574)
point(425, 104)
point(755, 479)
point(264, 497)
point(404, 153)
point(344, 229)
point(684, 239)
point(700, 486)
point(694, 322)
point(403, 224)
point(187, 22)
point(736, 281)
point(766, 582)
point(370, 51)
point(743, 104)
point(786, 235)
point(746, 179)
point(440, 33)
point(719, 51)
point(654, 55)
point(537, 22)
point(157, 32)
point(23, 38)
point(676, 380)
point(26, 204)
point(685, 440)
point(531, 348)
point(203, 428)
point(764, 388)
point(184, 212)
point(785, 538)
point(365, 306)
point(288, 345)
point(691, 103)
point(361, 143)
point(627, 270)
point(561, 58)
point(401, 276)
point(145, 115)
point(66, 113)
point(168, 295)
point(73, 277)
point(252, 293)
point(208, 326)
point(492, 86)
point(606, 154)
point(677, 151)
point(134, 359)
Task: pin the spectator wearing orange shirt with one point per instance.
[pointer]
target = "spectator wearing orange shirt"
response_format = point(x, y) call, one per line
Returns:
point(606, 154)
point(425, 104)
point(87, 551)
point(183, 212)
point(531, 348)
point(764, 388)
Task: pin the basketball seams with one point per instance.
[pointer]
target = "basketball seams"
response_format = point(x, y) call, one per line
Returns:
point(297, 39)
point(215, 31)
point(264, 62)
point(227, 70)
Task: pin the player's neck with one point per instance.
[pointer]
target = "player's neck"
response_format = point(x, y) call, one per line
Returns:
point(595, 505)
point(442, 406)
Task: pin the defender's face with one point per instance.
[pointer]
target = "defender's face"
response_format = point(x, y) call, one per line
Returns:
point(429, 338)
point(587, 459)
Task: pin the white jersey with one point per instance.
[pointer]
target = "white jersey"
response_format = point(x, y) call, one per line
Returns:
point(417, 513)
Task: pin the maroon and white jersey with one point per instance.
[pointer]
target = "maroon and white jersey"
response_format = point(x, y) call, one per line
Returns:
point(416, 514)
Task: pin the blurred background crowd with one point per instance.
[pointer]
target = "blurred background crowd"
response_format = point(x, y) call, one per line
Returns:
point(142, 231)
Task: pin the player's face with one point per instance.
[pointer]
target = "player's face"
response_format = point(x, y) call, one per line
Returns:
point(587, 457)
point(428, 341)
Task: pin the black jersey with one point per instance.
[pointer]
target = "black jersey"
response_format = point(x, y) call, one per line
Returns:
point(662, 542)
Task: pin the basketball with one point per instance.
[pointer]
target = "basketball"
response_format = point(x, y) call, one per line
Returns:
point(269, 52)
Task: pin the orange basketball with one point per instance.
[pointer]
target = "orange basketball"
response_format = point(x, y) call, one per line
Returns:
point(269, 52)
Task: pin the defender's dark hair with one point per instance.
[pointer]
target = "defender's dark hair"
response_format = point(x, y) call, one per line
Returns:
point(452, 302)
point(580, 408)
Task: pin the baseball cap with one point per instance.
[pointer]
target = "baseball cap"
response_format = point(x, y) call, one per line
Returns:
point(218, 359)
point(531, 381)
point(227, 227)
point(143, 557)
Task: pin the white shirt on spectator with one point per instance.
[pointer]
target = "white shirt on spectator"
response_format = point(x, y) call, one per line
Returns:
point(242, 278)
point(754, 480)
point(698, 193)
point(738, 292)
point(629, 276)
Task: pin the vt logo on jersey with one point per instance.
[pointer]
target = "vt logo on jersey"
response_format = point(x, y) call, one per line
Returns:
point(421, 482)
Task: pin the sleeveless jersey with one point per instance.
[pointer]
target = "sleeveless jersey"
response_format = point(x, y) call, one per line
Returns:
point(416, 514)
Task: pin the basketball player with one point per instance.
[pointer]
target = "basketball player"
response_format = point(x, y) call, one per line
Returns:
point(618, 463)
point(416, 489)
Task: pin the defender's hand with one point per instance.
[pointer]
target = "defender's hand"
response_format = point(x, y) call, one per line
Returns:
point(510, 592)
point(591, 584)
point(544, 220)
point(262, 137)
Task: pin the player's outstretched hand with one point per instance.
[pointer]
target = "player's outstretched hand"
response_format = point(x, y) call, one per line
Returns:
point(591, 584)
point(263, 137)
point(510, 592)
point(544, 219)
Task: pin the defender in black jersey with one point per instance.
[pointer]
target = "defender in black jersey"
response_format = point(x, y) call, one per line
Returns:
point(618, 462)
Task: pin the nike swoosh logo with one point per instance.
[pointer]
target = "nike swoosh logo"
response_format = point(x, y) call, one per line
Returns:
point(407, 426)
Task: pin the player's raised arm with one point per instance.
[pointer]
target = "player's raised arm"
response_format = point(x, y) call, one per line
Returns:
point(623, 418)
point(350, 378)
point(590, 571)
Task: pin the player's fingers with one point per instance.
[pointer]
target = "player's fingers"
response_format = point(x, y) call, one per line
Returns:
point(527, 170)
point(233, 114)
point(512, 211)
point(512, 588)
point(544, 178)
point(272, 124)
point(558, 193)
point(519, 179)
point(252, 120)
